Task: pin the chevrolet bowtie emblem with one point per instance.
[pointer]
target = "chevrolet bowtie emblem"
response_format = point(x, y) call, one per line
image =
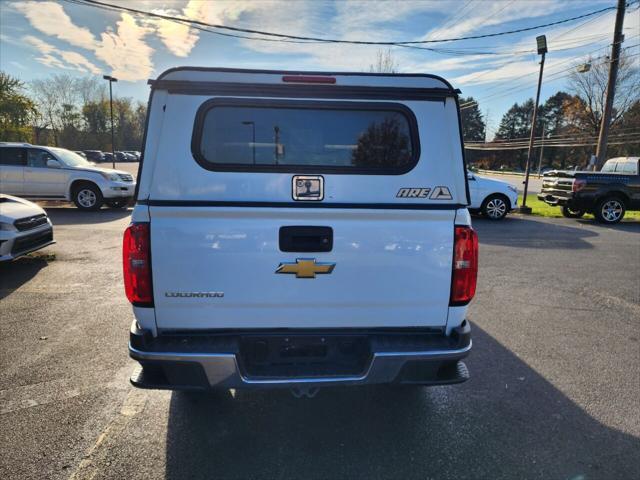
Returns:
point(305, 268)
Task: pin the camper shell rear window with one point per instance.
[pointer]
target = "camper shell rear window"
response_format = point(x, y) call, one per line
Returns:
point(257, 135)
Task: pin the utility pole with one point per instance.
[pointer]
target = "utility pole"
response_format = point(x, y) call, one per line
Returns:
point(542, 50)
point(541, 151)
point(601, 151)
point(113, 148)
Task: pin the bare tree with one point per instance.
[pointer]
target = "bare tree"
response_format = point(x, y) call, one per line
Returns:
point(590, 87)
point(48, 100)
point(60, 99)
point(385, 62)
point(90, 89)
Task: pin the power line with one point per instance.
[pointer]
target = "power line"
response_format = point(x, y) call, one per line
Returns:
point(454, 17)
point(568, 145)
point(549, 79)
point(487, 51)
point(546, 143)
point(98, 4)
point(553, 138)
point(576, 139)
point(488, 70)
point(582, 24)
point(526, 75)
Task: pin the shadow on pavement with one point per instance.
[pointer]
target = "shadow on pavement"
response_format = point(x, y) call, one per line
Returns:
point(18, 272)
point(506, 422)
point(529, 233)
point(625, 225)
point(74, 216)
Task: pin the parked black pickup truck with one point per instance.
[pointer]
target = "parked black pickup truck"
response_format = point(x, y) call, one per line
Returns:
point(608, 194)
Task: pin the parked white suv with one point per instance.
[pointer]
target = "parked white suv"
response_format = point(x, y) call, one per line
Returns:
point(49, 173)
point(298, 230)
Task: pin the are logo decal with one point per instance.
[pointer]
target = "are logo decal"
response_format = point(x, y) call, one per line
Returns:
point(413, 193)
point(441, 193)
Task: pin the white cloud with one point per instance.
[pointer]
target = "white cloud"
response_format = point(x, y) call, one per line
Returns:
point(123, 50)
point(56, 58)
point(51, 19)
point(178, 38)
point(79, 61)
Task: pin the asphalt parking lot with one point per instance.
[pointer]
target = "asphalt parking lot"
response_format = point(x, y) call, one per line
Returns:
point(554, 393)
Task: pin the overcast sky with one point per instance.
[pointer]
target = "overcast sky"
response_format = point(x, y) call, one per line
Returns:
point(41, 38)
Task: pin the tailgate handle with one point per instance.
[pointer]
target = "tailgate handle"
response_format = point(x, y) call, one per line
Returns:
point(306, 239)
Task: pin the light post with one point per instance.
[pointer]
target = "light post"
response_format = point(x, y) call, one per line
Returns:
point(541, 42)
point(276, 131)
point(253, 144)
point(111, 79)
point(541, 151)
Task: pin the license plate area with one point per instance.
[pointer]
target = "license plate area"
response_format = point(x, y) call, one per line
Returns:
point(303, 356)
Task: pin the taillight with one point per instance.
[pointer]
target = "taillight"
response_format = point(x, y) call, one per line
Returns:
point(578, 185)
point(136, 263)
point(465, 266)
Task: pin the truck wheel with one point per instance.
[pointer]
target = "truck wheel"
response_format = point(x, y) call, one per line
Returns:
point(572, 213)
point(610, 210)
point(495, 207)
point(87, 196)
point(116, 203)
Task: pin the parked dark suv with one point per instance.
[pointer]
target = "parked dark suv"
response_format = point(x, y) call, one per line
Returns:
point(94, 155)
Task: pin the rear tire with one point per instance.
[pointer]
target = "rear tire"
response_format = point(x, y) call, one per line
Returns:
point(572, 213)
point(610, 210)
point(88, 197)
point(495, 207)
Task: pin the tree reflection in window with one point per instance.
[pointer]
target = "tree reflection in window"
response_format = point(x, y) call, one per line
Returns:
point(383, 145)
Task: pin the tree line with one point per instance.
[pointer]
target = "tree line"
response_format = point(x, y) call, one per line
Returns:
point(69, 112)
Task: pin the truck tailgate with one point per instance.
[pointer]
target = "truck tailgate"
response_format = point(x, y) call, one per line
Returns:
point(215, 268)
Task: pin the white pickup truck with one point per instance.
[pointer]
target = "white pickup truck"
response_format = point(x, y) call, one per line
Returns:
point(300, 230)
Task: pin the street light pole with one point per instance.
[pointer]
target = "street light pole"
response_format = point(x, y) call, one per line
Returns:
point(113, 148)
point(276, 130)
point(253, 127)
point(541, 151)
point(542, 50)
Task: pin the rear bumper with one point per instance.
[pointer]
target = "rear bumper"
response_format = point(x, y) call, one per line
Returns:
point(576, 201)
point(556, 199)
point(553, 199)
point(215, 361)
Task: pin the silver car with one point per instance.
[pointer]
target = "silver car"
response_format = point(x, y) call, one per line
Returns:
point(24, 227)
point(50, 173)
